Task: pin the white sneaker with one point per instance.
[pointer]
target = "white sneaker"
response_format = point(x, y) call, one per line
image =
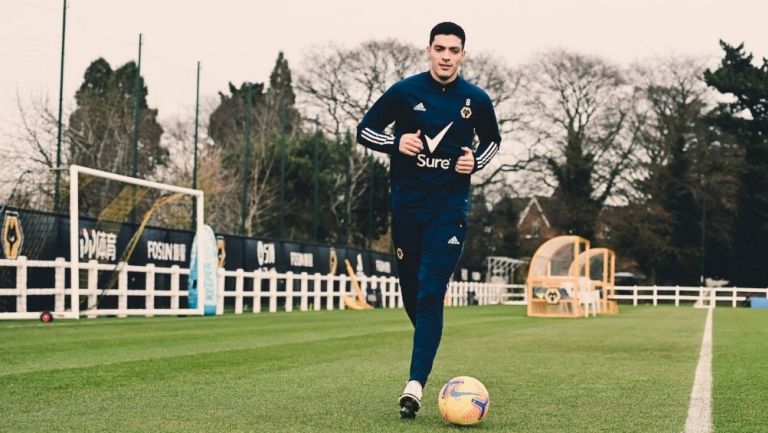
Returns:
point(410, 399)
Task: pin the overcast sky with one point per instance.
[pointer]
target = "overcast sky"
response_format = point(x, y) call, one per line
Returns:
point(238, 40)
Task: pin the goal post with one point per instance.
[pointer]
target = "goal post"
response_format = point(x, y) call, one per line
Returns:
point(135, 192)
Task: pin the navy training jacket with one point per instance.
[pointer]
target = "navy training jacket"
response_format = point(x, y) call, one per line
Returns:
point(448, 116)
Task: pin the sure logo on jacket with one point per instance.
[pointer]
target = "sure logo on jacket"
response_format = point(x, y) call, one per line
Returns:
point(423, 160)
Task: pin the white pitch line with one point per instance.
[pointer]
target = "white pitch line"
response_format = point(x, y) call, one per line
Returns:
point(700, 409)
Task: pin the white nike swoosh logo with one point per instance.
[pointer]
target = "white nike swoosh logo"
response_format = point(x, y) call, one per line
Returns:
point(433, 142)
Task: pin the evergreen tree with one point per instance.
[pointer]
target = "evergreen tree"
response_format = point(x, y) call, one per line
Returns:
point(275, 130)
point(101, 127)
point(505, 234)
point(274, 123)
point(333, 224)
point(479, 238)
point(492, 232)
point(101, 130)
point(746, 119)
point(281, 97)
point(676, 225)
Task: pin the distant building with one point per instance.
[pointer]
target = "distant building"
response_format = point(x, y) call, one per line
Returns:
point(539, 220)
point(535, 223)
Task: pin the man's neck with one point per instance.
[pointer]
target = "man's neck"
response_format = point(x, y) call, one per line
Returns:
point(448, 80)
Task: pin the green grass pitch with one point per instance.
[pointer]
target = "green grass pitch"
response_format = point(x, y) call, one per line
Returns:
point(343, 370)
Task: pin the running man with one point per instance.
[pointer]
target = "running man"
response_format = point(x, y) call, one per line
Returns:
point(436, 115)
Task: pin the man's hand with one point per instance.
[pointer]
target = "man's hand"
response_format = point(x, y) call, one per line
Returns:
point(410, 144)
point(466, 162)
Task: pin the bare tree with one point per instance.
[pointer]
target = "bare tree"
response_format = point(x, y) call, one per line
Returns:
point(226, 129)
point(577, 118)
point(222, 205)
point(504, 86)
point(673, 94)
point(29, 151)
point(35, 136)
point(340, 84)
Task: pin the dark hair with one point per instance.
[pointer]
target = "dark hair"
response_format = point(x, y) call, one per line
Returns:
point(447, 28)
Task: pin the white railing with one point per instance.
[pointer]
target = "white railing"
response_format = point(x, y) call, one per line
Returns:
point(677, 294)
point(91, 292)
point(256, 291)
point(296, 291)
point(304, 292)
point(514, 294)
point(268, 290)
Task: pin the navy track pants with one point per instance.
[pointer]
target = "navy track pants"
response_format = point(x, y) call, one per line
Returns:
point(428, 246)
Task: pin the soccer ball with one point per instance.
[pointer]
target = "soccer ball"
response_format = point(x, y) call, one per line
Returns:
point(463, 401)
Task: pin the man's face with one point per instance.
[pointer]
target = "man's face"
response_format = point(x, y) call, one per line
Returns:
point(445, 56)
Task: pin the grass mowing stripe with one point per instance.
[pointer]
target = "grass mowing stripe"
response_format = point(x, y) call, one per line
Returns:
point(604, 374)
point(36, 349)
point(163, 337)
point(740, 375)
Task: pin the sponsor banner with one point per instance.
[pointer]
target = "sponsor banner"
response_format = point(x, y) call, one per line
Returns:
point(381, 264)
point(297, 257)
point(166, 251)
point(46, 237)
point(97, 245)
point(266, 254)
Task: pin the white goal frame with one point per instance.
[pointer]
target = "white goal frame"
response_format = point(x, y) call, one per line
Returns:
point(74, 244)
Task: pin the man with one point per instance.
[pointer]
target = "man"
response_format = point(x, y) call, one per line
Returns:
point(436, 115)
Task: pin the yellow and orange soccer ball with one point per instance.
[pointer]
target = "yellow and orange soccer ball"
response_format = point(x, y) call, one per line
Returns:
point(463, 401)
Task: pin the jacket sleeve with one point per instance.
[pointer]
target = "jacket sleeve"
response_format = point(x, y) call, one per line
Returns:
point(487, 130)
point(370, 131)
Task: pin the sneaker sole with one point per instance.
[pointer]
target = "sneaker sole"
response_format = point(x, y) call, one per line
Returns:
point(409, 405)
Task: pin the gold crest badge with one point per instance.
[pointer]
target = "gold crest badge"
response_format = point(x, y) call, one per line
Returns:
point(552, 296)
point(13, 236)
point(466, 112)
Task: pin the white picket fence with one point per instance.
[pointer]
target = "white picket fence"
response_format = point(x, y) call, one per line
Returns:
point(277, 291)
point(267, 290)
point(676, 294)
